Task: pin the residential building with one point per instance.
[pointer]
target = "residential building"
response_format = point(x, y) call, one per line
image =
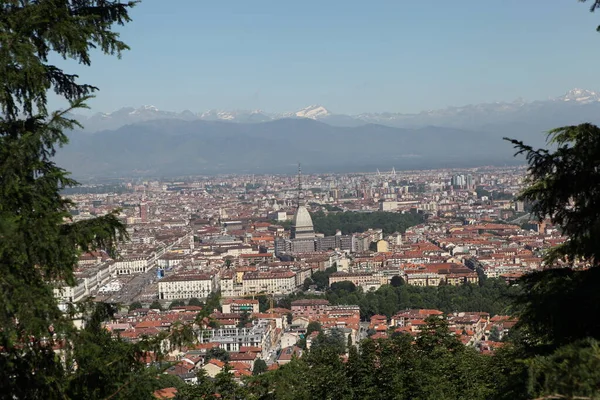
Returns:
point(239, 306)
point(187, 286)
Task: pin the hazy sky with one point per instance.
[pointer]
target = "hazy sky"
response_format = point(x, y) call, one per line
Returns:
point(351, 56)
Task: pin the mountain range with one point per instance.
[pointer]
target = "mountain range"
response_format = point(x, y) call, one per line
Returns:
point(149, 142)
point(469, 116)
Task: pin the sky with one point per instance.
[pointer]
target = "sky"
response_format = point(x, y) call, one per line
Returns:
point(349, 56)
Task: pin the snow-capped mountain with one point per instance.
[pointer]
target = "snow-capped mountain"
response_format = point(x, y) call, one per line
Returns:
point(217, 115)
point(144, 109)
point(234, 116)
point(574, 106)
point(581, 96)
point(312, 112)
point(127, 116)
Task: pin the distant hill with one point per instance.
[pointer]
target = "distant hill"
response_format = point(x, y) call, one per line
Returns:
point(174, 147)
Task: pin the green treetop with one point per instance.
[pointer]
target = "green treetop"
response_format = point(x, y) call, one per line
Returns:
point(555, 331)
point(39, 243)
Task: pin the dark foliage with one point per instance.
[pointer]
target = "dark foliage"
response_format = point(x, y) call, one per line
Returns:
point(39, 242)
point(571, 370)
point(555, 336)
point(307, 283)
point(351, 222)
point(395, 368)
point(195, 302)
point(244, 319)
point(217, 353)
point(260, 366)
point(343, 286)
point(493, 296)
point(313, 326)
point(593, 7)
point(564, 185)
point(397, 281)
point(334, 340)
point(321, 278)
point(155, 305)
point(176, 303)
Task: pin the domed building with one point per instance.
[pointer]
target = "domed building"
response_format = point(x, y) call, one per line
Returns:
point(302, 234)
point(303, 238)
point(302, 225)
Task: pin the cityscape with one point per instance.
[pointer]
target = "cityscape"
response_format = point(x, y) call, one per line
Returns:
point(253, 237)
point(315, 201)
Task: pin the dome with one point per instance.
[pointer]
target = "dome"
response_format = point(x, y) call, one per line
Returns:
point(302, 225)
point(302, 218)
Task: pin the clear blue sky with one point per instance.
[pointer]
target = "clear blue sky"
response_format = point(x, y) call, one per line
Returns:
point(350, 56)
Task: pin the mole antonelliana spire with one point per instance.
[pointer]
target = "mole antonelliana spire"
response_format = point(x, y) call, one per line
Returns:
point(302, 225)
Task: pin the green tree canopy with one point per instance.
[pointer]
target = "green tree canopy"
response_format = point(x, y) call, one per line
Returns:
point(313, 326)
point(563, 185)
point(195, 302)
point(155, 305)
point(213, 302)
point(396, 281)
point(307, 283)
point(244, 319)
point(554, 333)
point(492, 295)
point(218, 353)
point(39, 242)
point(176, 303)
point(351, 222)
point(334, 340)
point(260, 366)
point(343, 287)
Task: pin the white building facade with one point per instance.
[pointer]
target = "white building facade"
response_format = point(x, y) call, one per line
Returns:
point(187, 286)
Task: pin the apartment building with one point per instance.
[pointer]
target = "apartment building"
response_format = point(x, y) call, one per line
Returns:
point(232, 339)
point(87, 281)
point(280, 282)
point(187, 286)
point(309, 307)
point(132, 265)
point(231, 284)
point(238, 306)
point(366, 280)
point(434, 274)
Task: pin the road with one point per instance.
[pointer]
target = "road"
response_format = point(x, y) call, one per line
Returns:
point(139, 287)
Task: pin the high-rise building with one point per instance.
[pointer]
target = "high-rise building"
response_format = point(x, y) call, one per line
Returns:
point(458, 181)
point(469, 181)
